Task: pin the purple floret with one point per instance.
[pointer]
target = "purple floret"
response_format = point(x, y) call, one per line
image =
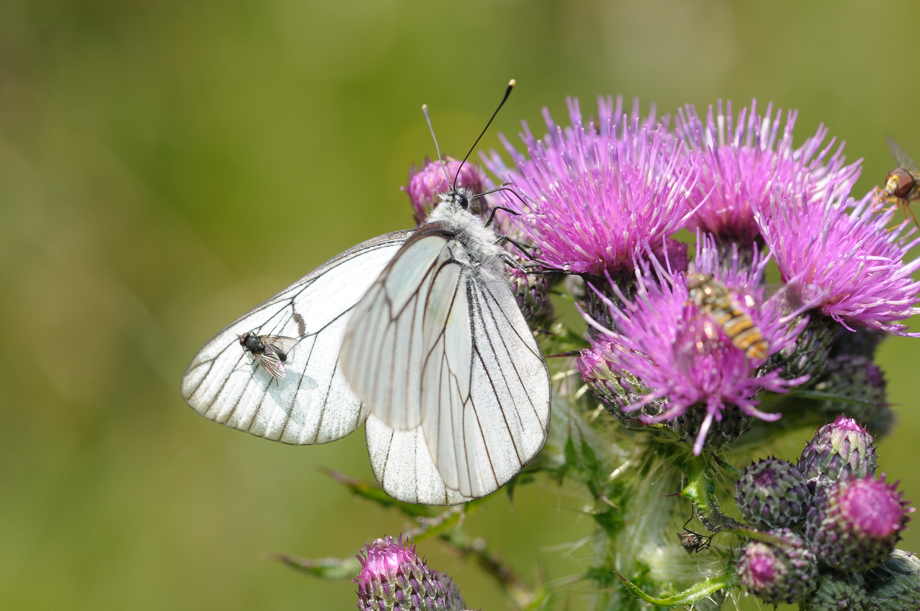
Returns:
point(596, 194)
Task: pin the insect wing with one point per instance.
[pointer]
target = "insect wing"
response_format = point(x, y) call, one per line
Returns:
point(313, 404)
point(486, 388)
point(403, 466)
point(901, 157)
point(382, 353)
point(272, 362)
point(437, 345)
point(280, 344)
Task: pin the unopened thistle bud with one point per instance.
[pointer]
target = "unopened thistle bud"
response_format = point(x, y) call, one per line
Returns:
point(854, 524)
point(394, 578)
point(862, 383)
point(838, 592)
point(894, 585)
point(772, 493)
point(840, 450)
point(785, 573)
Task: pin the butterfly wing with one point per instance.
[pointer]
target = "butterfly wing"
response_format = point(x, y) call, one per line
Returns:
point(440, 345)
point(403, 466)
point(313, 404)
point(382, 352)
point(486, 391)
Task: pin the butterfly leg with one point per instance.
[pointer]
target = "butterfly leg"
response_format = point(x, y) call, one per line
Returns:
point(496, 209)
point(524, 249)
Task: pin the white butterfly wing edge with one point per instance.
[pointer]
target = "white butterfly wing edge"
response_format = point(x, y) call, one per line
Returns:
point(313, 403)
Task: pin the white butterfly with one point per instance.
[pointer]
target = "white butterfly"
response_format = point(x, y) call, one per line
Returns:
point(432, 342)
point(439, 346)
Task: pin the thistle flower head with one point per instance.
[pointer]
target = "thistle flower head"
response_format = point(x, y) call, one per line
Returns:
point(681, 352)
point(394, 578)
point(743, 161)
point(596, 194)
point(840, 450)
point(854, 524)
point(843, 252)
point(779, 573)
point(428, 182)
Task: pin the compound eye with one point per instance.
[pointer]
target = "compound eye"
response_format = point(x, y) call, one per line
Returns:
point(463, 201)
point(902, 181)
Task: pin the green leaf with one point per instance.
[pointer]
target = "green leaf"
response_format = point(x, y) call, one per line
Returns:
point(374, 493)
point(828, 396)
point(689, 596)
point(336, 569)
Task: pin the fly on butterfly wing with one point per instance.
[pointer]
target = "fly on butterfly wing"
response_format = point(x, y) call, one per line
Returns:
point(313, 403)
point(902, 185)
point(271, 351)
point(722, 305)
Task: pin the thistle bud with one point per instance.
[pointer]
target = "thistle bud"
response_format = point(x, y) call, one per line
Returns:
point(838, 592)
point(857, 378)
point(854, 524)
point(838, 451)
point(861, 342)
point(531, 291)
point(772, 493)
point(808, 355)
point(616, 389)
point(894, 585)
point(733, 424)
point(778, 573)
point(394, 578)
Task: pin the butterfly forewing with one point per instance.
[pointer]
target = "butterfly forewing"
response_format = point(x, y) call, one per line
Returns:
point(382, 355)
point(313, 403)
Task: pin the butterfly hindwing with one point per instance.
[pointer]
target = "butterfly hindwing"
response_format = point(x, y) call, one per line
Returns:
point(313, 403)
point(403, 466)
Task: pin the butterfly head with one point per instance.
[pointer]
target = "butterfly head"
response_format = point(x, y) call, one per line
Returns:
point(458, 197)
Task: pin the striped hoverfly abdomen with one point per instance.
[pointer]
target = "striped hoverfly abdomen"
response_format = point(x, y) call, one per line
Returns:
point(721, 304)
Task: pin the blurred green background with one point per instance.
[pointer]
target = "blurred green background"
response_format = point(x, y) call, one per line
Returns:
point(165, 166)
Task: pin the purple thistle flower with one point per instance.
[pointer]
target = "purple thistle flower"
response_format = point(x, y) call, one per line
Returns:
point(854, 524)
point(842, 252)
point(394, 578)
point(426, 184)
point(597, 194)
point(778, 573)
point(743, 162)
point(682, 354)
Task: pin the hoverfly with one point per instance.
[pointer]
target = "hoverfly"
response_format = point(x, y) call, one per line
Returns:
point(271, 351)
point(720, 304)
point(902, 185)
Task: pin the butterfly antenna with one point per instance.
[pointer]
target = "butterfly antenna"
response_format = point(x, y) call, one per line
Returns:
point(433, 137)
point(511, 85)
